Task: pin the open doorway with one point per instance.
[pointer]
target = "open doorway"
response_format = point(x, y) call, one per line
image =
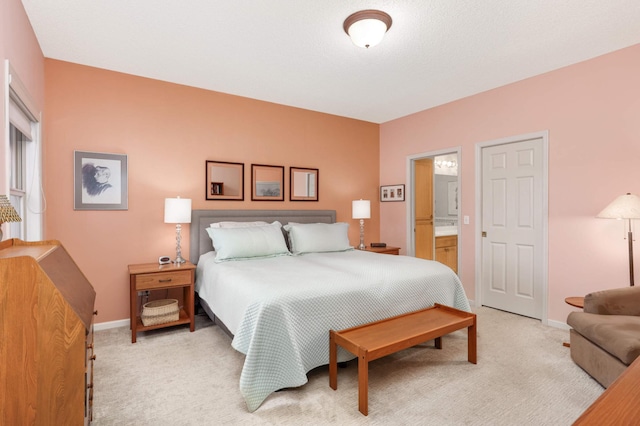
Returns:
point(434, 206)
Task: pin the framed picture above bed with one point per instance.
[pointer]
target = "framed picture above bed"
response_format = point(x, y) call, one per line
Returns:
point(100, 181)
point(267, 183)
point(303, 184)
point(224, 181)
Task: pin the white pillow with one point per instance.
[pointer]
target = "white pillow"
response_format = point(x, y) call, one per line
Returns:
point(318, 237)
point(237, 224)
point(248, 243)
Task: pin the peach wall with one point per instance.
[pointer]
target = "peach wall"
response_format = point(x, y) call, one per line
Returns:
point(18, 44)
point(168, 131)
point(591, 111)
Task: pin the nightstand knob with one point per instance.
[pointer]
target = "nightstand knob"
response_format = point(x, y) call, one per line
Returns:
point(92, 358)
point(95, 312)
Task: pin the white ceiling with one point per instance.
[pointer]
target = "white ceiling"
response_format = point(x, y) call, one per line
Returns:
point(295, 52)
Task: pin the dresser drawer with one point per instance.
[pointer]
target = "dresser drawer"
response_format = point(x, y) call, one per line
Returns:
point(162, 279)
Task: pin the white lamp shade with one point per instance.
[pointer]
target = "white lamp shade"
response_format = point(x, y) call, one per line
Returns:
point(177, 210)
point(367, 32)
point(361, 209)
point(624, 207)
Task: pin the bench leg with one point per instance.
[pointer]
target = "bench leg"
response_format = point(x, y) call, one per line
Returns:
point(472, 342)
point(333, 361)
point(363, 383)
point(438, 342)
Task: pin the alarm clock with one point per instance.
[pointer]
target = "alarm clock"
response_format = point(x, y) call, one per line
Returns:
point(164, 260)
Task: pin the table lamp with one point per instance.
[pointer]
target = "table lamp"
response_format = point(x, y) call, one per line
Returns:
point(7, 213)
point(361, 209)
point(178, 211)
point(625, 207)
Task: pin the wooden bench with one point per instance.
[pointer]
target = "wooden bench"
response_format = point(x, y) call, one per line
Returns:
point(381, 338)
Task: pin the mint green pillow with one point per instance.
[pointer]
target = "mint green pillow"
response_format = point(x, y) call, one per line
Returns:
point(248, 243)
point(318, 237)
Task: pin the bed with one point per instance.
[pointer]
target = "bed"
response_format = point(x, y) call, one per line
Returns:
point(279, 308)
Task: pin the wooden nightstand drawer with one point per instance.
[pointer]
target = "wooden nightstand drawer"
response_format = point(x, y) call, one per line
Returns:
point(162, 279)
point(384, 250)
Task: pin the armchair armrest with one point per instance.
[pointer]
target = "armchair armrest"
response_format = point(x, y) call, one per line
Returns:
point(617, 301)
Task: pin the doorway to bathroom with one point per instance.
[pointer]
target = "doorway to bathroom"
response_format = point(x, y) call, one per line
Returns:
point(434, 206)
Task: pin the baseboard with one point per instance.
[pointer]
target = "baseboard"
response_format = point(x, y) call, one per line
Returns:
point(558, 324)
point(111, 324)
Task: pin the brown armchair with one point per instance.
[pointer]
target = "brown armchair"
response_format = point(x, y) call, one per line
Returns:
point(605, 338)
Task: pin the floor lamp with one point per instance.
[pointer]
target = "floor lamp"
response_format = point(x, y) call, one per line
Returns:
point(625, 207)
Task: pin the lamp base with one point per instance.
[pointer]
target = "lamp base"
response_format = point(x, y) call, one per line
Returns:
point(178, 259)
point(362, 246)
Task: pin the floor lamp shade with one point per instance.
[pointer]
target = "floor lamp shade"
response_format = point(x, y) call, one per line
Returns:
point(178, 211)
point(625, 207)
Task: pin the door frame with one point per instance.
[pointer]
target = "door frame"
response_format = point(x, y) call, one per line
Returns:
point(544, 136)
point(411, 243)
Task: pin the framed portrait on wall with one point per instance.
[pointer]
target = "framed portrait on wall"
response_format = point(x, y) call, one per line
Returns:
point(100, 181)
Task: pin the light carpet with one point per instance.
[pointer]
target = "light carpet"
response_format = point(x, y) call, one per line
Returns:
point(524, 376)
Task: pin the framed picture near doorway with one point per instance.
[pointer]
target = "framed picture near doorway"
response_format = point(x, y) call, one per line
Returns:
point(392, 193)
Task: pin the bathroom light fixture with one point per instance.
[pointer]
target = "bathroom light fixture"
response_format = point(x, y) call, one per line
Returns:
point(625, 207)
point(178, 211)
point(446, 164)
point(367, 27)
point(7, 212)
point(361, 209)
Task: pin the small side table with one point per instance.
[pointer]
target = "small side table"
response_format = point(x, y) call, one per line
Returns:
point(152, 276)
point(384, 250)
point(577, 302)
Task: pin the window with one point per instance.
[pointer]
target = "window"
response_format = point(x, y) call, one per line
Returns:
point(23, 148)
point(17, 187)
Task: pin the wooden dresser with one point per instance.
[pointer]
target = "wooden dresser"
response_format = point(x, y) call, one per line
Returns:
point(46, 336)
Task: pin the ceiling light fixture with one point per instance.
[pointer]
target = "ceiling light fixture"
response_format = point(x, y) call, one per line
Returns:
point(367, 27)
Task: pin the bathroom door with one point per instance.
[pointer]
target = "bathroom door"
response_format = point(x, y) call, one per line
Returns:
point(423, 171)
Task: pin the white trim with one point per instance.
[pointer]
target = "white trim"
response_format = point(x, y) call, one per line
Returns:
point(558, 324)
point(111, 324)
point(410, 196)
point(544, 135)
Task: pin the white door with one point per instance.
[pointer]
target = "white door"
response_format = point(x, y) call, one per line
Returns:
point(512, 227)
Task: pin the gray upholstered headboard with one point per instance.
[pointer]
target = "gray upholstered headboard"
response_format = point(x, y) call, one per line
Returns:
point(200, 242)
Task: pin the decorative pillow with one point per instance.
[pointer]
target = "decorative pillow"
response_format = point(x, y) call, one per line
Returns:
point(318, 237)
point(237, 224)
point(248, 242)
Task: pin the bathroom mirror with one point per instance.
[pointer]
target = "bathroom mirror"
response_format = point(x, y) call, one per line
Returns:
point(267, 183)
point(303, 184)
point(225, 181)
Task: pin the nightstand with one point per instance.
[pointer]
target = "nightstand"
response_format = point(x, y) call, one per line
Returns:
point(151, 277)
point(384, 250)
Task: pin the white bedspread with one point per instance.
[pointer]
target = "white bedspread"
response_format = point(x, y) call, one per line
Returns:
point(281, 309)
